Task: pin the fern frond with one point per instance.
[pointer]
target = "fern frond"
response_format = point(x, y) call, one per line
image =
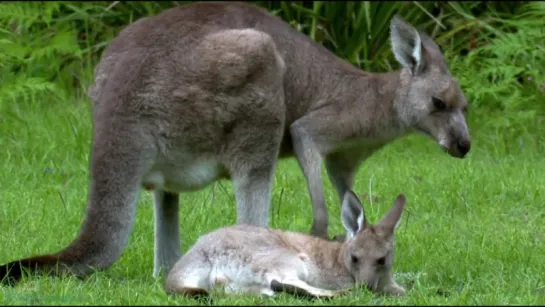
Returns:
point(17, 88)
point(26, 14)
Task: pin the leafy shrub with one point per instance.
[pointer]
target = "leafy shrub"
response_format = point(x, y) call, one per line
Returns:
point(31, 42)
point(49, 49)
point(504, 77)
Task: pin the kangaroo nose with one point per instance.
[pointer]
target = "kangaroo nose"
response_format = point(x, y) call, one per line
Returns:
point(464, 146)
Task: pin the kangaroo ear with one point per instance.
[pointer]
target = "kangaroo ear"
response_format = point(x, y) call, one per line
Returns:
point(352, 214)
point(393, 217)
point(406, 44)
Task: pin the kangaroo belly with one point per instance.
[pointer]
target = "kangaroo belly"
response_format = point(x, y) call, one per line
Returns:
point(237, 277)
point(183, 175)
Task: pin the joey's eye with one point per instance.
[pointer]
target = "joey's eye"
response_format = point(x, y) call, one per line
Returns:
point(381, 261)
point(438, 103)
point(354, 259)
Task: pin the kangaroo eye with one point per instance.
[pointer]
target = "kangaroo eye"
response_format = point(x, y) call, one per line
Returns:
point(354, 259)
point(381, 261)
point(438, 103)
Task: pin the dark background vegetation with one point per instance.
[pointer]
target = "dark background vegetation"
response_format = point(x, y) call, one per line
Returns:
point(495, 49)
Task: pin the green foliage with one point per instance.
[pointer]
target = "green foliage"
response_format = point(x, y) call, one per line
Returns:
point(505, 75)
point(50, 48)
point(34, 44)
point(473, 233)
point(358, 31)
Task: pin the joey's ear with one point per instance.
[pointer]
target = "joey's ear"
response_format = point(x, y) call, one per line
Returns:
point(406, 45)
point(392, 218)
point(352, 214)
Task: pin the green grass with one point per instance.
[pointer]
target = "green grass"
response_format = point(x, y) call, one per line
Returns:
point(473, 232)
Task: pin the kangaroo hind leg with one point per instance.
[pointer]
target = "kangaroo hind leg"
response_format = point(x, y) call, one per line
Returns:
point(167, 231)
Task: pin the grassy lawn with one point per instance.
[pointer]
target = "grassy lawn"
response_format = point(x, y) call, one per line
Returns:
point(473, 232)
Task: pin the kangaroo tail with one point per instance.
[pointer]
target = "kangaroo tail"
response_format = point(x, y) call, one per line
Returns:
point(12, 272)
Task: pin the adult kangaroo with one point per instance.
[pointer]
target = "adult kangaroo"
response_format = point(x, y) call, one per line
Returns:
point(210, 90)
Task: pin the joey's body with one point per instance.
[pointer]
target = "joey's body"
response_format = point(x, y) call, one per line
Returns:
point(246, 259)
point(212, 90)
point(242, 254)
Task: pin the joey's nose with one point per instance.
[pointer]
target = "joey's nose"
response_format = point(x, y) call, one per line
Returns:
point(464, 146)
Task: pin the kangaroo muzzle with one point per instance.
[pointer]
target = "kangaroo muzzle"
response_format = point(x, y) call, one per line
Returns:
point(456, 141)
point(458, 147)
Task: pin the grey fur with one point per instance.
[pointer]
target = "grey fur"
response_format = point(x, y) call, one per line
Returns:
point(216, 90)
point(167, 236)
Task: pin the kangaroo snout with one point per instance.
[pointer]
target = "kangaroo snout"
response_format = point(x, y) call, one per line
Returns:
point(458, 148)
point(463, 147)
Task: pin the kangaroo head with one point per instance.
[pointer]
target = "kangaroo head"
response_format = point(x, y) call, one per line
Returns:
point(432, 102)
point(368, 251)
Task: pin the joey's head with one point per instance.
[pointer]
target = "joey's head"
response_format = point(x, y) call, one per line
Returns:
point(432, 102)
point(368, 251)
